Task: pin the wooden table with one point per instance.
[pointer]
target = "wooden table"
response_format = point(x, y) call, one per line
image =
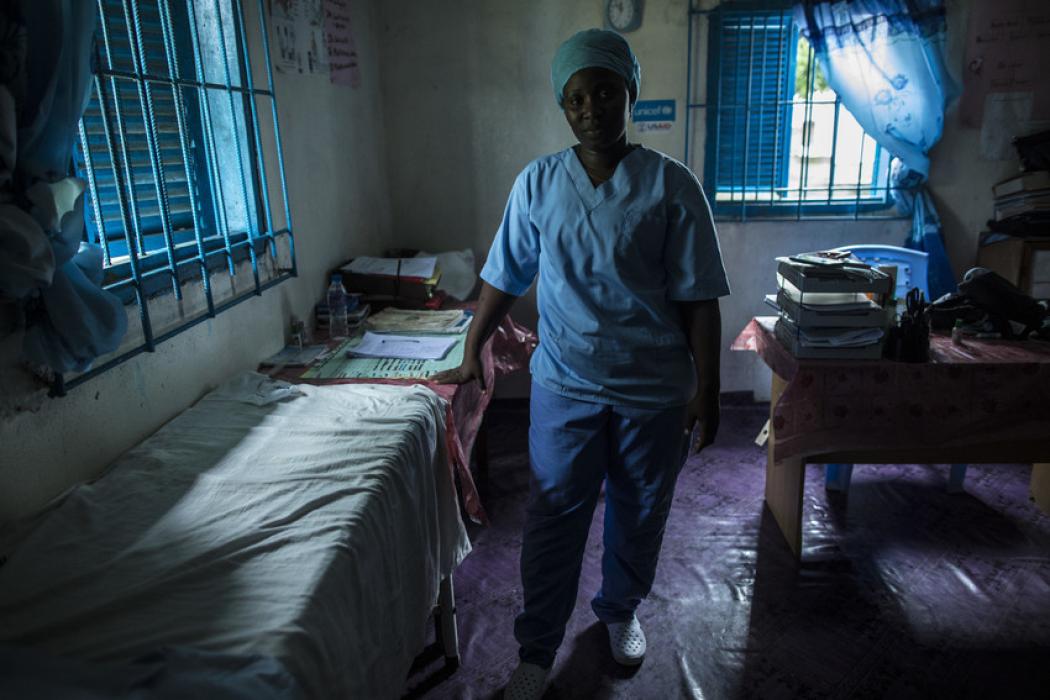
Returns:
point(983, 402)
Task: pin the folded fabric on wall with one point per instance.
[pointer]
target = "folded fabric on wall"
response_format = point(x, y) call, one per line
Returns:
point(457, 272)
point(46, 263)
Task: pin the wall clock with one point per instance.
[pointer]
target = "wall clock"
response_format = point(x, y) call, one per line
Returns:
point(623, 15)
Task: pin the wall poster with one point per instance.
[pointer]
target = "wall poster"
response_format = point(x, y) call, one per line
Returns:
point(1007, 51)
point(297, 27)
point(342, 51)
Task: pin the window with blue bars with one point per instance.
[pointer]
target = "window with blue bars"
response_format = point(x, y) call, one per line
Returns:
point(180, 148)
point(777, 141)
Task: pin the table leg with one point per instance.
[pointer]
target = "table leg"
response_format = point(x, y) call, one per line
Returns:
point(784, 482)
point(956, 476)
point(447, 622)
point(1040, 486)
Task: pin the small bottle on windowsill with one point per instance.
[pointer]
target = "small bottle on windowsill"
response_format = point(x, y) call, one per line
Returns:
point(957, 332)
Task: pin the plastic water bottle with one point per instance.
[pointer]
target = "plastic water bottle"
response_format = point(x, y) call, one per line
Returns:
point(337, 325)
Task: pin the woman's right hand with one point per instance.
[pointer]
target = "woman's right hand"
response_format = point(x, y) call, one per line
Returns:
point(492, 306)
point(469, 370)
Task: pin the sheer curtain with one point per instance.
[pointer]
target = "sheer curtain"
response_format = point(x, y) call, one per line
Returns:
point(885, 59)
point(45, 78)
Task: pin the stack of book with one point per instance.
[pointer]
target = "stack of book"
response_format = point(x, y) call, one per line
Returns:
point(357, 311)
point(831, 306)
point(410, 280)
point(1024, 196)
point(297, 356)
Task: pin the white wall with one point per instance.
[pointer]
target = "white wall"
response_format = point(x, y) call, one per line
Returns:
point(335, 162)
point(961, 178)
point(466, 87)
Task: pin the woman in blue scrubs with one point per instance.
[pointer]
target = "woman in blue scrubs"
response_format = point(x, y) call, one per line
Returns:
point(622, 240)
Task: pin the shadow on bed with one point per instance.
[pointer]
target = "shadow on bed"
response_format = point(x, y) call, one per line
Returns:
point(136, 561)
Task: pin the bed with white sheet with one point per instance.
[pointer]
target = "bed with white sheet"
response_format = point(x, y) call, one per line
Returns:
point(274, 540)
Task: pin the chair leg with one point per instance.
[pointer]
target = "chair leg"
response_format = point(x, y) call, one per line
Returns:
point(837, 477)
point(447, 622)
point(955, 478)
point(1039, 487)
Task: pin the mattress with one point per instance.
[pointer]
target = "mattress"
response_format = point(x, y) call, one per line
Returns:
point(302, 525)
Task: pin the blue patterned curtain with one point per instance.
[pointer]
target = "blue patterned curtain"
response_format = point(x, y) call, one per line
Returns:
point(45, 76)
point(885, 59)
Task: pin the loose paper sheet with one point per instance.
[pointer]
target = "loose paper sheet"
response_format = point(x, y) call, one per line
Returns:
point(405, 347)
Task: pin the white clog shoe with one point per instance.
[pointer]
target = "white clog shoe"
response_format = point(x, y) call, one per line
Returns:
point(627, 641)
point(526, 683)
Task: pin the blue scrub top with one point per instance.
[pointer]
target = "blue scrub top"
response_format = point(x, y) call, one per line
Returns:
point(612, 260)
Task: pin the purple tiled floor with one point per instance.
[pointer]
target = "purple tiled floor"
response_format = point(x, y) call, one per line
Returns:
point(905, 590)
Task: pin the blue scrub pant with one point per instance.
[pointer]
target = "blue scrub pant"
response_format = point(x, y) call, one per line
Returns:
point(574, 446)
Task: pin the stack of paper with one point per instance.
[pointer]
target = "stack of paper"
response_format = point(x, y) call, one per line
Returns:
point(839, 337)
point(842, 276)
point(410, 279)
point(828, 303)
point(830, 343)
point(418, 268)
point(391, 320)
point(827, 309)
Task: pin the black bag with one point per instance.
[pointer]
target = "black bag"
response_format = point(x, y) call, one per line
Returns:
point(985, 295)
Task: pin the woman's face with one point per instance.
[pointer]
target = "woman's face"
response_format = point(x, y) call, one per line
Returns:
point(597, 106)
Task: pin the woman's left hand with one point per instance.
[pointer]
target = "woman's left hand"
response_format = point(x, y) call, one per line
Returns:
point(703, 410)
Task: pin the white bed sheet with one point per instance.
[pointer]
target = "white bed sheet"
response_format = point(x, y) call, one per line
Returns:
point(313, 529)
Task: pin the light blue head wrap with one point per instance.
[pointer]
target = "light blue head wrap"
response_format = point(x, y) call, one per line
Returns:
point(595, 48)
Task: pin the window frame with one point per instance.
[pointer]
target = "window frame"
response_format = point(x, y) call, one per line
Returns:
point(197, 252)
point(800, 208)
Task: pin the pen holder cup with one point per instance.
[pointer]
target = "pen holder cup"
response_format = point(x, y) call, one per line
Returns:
point(909, 341)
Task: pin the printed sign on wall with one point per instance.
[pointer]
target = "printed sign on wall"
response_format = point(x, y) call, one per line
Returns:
point(298, 28)
point(654, 115)
point(342, 51)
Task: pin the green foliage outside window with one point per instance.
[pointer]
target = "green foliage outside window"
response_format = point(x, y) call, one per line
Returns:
point(805, 57)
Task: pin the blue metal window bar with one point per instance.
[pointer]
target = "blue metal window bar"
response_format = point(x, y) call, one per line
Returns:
point(149, 152)
point(753, 56)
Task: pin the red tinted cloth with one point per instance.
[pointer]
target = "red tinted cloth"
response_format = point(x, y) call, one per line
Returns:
point(983, 391)
point(508, 350)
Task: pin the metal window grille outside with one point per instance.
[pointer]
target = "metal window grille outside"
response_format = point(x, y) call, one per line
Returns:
point(768, 150)
point(171, 145)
